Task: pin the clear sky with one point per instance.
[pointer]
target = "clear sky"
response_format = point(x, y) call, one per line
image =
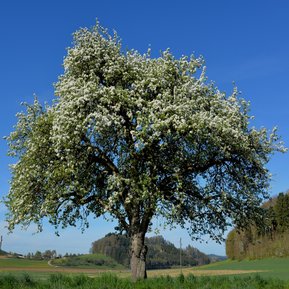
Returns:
point(245, 41)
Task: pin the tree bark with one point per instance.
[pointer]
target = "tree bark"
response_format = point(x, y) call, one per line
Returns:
point(138, 256)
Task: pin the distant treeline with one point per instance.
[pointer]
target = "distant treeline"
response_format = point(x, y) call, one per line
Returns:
point(46, 255)
point(161, 253)
point(269, 239)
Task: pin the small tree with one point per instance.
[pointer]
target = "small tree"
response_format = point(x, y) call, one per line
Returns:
point(137, 137)
point(49, 254)
point(38, 255)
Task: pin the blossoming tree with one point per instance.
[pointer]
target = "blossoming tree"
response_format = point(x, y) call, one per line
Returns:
point(136, 137)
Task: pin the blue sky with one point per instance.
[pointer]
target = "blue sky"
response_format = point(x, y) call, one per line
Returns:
point(246, 42)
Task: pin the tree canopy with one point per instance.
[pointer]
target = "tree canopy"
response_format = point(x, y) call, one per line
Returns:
point(137, 137)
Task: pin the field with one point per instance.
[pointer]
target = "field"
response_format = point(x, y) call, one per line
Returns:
point(275, 268)
point(268, 268)
point(41, 269)
point(257, 274)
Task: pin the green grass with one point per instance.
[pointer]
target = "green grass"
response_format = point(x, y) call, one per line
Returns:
point(22, 263)
point(272, 267)
point(109, 281)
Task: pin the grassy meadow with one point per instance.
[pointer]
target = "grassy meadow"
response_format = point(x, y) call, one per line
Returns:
point(256, 274)
point(268, 268)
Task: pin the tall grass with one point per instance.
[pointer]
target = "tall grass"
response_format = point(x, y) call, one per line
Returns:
point(110, 281)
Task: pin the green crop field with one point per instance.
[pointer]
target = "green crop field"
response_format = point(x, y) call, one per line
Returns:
point(271, 267)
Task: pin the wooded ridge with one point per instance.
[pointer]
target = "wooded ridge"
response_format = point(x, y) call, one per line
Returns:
point(161, 253)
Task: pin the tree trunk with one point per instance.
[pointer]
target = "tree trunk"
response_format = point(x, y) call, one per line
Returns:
point(138, 256)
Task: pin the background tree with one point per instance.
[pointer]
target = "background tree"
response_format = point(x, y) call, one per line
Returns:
point(49, 254)
point(38, 255)
point(282, 212)
point(136, 137)
point(268, 238)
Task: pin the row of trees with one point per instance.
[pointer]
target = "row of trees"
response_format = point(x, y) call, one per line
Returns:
point(265, 239)
point(49, 254)
point(161, 253)
point(38, 255)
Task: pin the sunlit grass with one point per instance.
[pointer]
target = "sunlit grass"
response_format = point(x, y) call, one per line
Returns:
point(111, 281)
point(270, 267)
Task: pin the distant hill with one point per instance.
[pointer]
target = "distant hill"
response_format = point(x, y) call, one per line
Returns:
point(268, 239)
point(161, 253)
point(216, 258)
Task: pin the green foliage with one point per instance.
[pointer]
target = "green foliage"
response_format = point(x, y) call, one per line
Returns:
point(281, 210)
point(161, 253)
point(38, 255)
point(262, 240)
point(10, 281)
point(115, 246)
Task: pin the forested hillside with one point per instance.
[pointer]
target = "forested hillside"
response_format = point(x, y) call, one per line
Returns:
point(161, 253)
point(270, 239)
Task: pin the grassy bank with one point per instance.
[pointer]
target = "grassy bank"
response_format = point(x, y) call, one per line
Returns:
point(109, 281)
